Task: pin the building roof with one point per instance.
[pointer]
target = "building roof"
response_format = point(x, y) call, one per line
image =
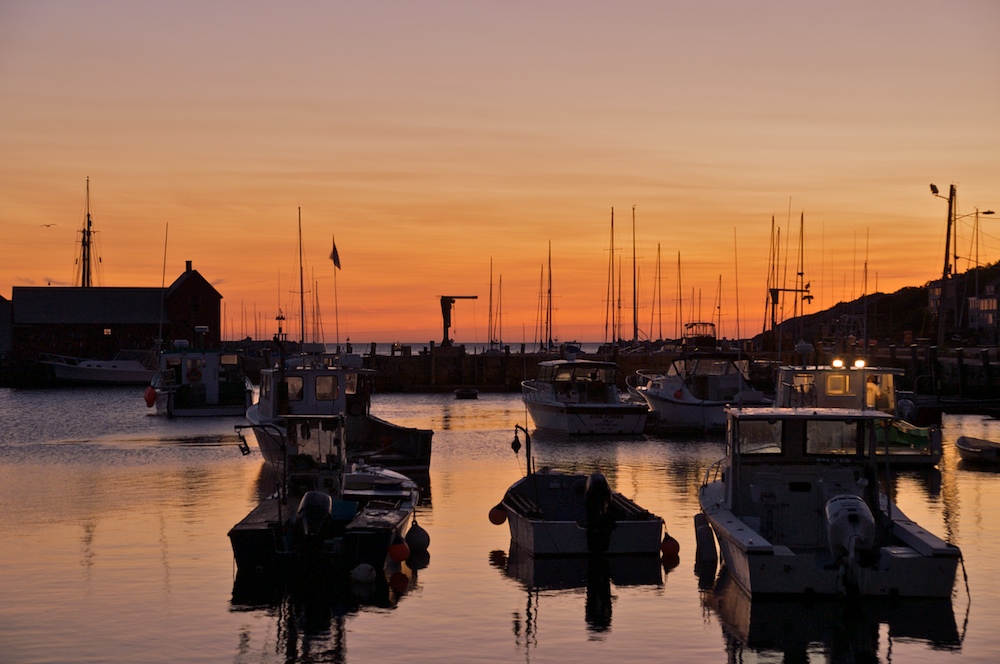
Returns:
point(40, 305)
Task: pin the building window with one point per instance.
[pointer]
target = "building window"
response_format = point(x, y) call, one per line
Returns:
point(107, 331)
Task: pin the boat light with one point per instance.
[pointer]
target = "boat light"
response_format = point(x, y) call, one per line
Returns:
point(859, 364)
point(838, 364)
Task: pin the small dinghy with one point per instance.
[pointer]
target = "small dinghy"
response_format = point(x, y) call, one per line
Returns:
point(573, 514)
point(978, 450)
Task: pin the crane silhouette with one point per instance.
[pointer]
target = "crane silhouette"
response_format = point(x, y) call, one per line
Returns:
point(447, 304)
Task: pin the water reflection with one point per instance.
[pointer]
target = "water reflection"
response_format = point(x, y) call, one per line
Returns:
point(312, 619)
point(844, 631)
point(595, 574)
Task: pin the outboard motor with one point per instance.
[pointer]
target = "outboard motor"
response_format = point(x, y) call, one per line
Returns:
point(600, 521)
point(313, 518)
point(850, 526)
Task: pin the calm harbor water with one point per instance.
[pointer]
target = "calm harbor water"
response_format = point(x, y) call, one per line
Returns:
point(113, 548)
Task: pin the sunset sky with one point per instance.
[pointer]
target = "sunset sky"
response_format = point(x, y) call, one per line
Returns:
point(432, 137)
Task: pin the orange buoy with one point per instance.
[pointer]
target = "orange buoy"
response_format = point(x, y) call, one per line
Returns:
point(399, 550)
point(669, 547)
point(150, 396)
point(498, 515)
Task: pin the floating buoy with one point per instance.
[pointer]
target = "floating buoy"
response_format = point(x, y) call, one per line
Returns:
point(399, 550)
point(705, 540)
point(669, 547)
point(498, 515)
point(417, 538)
point(679, 394)
point(150, 396)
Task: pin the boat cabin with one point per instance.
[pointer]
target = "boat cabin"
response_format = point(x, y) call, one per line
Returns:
point(579, 381)
point(837, 386)
point(785, 464)
point(315, 385)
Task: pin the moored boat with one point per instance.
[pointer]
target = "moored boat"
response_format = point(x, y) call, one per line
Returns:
point(200, 383)
point(978, 450)
point(796, 508)
point(580, 397)
point(125, 368)
point(552, 513)
point(325, 384)
point(856, 385)
point(351, 520)
point(701, 381)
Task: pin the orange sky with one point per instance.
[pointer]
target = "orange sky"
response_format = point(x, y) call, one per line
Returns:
point(432, 137)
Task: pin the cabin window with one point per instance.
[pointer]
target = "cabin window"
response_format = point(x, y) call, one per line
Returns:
point(760, 437)
point(838, 384)
point(327, 388)
point(351, 383)
point(294, 388)
point(832, 437)
point(228, 358)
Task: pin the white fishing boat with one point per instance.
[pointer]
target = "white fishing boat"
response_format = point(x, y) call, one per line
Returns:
point(701, 381)
point(578, 397)
point(200, 383)
point(328, 384)
point(126, 368)
point(571, 514)
point(856, 385)
point(796, 508)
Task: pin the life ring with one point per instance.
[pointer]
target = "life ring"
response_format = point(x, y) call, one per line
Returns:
point(194, 375)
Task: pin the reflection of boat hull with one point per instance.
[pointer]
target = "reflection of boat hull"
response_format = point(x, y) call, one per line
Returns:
point(790, 625)
point(548, 515)
point(978, 450)
point(556, 573)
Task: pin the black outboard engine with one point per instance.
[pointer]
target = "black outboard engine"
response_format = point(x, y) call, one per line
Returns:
point(600, 520)
point(313, 519)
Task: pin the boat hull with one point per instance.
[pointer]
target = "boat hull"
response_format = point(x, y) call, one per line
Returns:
point(97, 372)
point(584, 419)
point(917, 564)
point(548, 515)
point(977, 450)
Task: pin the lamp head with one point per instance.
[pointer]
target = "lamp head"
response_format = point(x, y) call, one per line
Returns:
point(934, 189)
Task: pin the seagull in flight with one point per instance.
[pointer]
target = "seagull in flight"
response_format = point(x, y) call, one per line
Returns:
point(46, 225)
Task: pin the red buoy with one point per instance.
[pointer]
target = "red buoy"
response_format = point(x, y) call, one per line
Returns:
point(669, 547)
point(399, 550)
point(150, 396)
point(498, 515)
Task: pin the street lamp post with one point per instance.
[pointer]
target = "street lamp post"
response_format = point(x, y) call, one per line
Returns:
point(948, 263)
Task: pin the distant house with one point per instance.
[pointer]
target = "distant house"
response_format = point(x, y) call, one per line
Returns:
point(98, 322)
point(5, 326)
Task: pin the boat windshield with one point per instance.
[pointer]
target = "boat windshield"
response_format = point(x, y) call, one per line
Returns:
point(821, 437)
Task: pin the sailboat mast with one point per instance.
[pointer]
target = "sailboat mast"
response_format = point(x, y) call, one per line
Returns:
point(635, 287)
point(302, 290)
point(85, 264)
point(548, 313)
point(489, 332)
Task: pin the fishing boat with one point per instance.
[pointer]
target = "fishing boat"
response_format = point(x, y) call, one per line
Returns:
point(351, 520)
point(579, 397)
point(125, 368)
point(701, 381)
point(199, 383)
point(978, 450)
point(328, 384)
point(572, 514)
point(856, 385)
point(796, 508)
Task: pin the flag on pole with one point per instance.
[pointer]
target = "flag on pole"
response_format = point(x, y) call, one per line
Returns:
point(335, 256)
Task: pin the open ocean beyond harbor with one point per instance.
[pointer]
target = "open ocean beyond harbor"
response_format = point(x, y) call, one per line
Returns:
point(113, 548)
